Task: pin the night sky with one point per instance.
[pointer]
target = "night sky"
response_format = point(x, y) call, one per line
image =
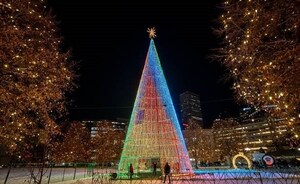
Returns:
point(109, 43)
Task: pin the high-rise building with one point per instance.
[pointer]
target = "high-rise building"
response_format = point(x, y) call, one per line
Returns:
point(117, 124)
point(190, 108)
point(109, 132)
point(256, 130)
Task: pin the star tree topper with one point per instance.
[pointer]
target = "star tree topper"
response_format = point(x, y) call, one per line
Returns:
point(152, 32)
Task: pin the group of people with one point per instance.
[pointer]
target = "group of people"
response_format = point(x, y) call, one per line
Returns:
point(167, 171)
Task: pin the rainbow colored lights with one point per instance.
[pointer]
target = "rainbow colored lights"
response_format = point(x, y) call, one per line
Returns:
point(154, 134)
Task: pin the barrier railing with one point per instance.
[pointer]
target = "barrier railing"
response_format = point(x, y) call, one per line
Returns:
point(92, 173)
point(50, 173)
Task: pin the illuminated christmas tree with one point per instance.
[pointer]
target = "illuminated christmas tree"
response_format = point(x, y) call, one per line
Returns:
point(154, 134)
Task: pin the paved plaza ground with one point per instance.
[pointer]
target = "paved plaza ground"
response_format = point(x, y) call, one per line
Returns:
point(103, 176)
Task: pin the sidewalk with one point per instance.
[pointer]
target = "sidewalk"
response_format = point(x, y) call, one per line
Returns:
point(78, 181)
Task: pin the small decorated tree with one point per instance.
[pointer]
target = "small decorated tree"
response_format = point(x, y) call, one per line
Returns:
point(108, 142)
point(199, 142)
point(74, 145)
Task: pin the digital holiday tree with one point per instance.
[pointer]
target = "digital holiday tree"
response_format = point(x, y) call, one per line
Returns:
point(154, 134)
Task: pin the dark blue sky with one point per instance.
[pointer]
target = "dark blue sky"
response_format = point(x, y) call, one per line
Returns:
point(109, 41)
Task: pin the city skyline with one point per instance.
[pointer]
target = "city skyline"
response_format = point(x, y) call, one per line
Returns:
point(109, 41)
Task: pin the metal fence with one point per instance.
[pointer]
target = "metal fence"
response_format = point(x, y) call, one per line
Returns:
point(91, 173)
point(267, 176)
point(51, 173)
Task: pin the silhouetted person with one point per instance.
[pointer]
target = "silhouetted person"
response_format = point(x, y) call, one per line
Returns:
point(167, 170)
point(154, 168)
point(130, 171)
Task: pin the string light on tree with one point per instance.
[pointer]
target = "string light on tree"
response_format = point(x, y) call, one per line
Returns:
point(261, 50)
point(107, 143)
point(75, 145)
point(35, 74)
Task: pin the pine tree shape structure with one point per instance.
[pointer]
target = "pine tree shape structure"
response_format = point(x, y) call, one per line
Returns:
point(154, 134)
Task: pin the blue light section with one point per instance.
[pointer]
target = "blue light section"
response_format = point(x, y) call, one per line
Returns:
point(163, 90)
point(153, 71)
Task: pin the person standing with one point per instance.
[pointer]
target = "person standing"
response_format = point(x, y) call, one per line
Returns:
point(167, 170)
point(154, 168)
point(130, 171)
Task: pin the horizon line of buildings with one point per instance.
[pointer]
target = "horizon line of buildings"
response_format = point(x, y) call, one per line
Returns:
point(254, 129)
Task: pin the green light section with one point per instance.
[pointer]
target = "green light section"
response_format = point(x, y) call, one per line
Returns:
point(154, 133)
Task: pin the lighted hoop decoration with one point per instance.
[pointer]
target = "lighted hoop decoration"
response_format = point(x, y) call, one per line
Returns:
point(268, 160)
point(243, 156)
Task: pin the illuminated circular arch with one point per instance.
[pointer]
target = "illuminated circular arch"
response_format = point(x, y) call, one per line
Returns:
point(243, 156)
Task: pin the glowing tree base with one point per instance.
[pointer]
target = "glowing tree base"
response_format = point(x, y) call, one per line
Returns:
point(154, 134)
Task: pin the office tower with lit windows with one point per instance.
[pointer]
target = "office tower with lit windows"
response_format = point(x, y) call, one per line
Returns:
point(190, 108)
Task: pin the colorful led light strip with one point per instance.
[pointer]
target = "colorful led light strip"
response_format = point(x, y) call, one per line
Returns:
point(154, 133)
